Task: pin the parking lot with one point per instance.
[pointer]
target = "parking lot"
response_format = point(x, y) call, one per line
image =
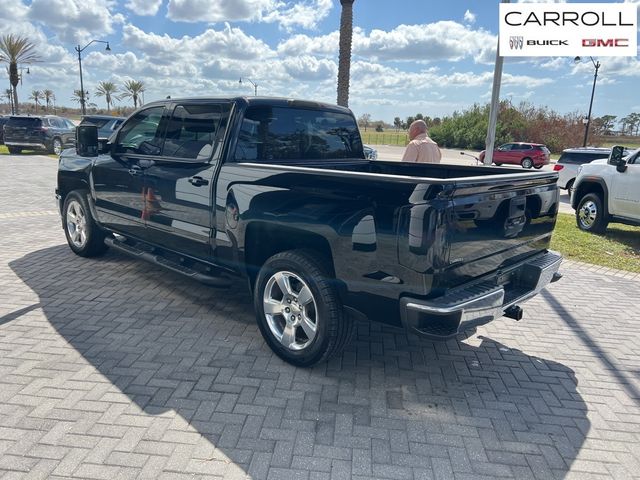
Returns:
point(112, 368)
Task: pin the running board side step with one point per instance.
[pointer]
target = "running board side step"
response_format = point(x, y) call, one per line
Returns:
point(212, 280)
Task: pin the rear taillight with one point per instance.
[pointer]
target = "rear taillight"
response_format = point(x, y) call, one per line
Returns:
point(557, 168)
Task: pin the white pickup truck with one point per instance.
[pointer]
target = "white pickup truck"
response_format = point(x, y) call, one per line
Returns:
point(608, 191)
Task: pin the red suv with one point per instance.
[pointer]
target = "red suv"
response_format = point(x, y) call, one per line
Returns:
point(526, 154)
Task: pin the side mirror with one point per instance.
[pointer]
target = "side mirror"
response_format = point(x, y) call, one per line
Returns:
point(616, 158)
point(87, 140)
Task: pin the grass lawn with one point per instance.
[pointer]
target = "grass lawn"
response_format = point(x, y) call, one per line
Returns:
point(618, 248)
point(5, 151)
point(384, 138)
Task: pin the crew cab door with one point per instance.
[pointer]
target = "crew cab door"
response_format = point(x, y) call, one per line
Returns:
point(625, 190)
point(117, 179)
point(180, 184)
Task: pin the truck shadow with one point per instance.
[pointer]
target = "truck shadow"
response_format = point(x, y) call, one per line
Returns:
point(391, 403)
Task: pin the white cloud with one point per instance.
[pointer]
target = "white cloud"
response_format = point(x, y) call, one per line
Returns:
point(556, 63)
point(144, 7)
point(75, 20)
point(469, 17)
point(306, 14)
point(308, 68)
point(443, 40)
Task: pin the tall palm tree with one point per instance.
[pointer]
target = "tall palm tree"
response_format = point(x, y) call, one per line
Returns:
point(48, 97)
point(77, 96)
point(15, 49)
point(36, 96)
point(133, 89)
point(344, 60)
point(107, 90)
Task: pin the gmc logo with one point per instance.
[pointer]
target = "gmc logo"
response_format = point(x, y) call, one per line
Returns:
point(601, 42)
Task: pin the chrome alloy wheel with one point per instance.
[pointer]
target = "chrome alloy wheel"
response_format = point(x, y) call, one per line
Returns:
point(77, 224)
point(588, 214)
point(290, 310)
point(57, 146)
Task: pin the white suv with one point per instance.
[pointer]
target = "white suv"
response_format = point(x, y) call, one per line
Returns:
point(608, 191)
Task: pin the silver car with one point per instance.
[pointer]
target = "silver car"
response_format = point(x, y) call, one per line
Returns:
point(370, 153)
point(571, 159)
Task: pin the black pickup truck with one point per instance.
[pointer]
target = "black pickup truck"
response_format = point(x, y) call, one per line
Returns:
point(279, 192)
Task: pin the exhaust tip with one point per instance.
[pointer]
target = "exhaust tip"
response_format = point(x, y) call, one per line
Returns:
point(515, 312)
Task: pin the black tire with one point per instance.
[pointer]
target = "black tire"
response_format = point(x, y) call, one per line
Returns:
point(526, 162)
point(570, 188)
point(56, 146)
point(497, 164)
point(590, 214)
point(14, 150)
point(85, 239)
point(333, 328)
point(537, 167)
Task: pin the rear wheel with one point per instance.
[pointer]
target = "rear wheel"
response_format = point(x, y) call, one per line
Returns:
point(570, 188)
point(298, 309)
point(14, 150)
point(56, 146)
point(590, 214)
point(84, 236)
point(537, 167)
point(497, 164)
point(526, 163)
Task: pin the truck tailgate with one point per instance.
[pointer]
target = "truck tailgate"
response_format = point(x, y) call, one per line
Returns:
point(492, 223)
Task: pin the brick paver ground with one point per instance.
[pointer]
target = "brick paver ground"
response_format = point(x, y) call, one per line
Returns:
point(112, 368)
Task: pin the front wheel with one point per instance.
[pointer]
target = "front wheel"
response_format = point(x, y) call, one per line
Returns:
point(590, 214)
point(537, 167)
point(298, 309)
point(84, 236)
point(570, 188)
point(14, 150)
point(526, 163)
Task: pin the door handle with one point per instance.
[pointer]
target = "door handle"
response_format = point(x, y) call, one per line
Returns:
point(198, 181)
point(135, 170)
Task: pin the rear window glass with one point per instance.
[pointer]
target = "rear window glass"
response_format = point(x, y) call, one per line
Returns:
point(580, 158)
point(98, 122)
point(24, 122)
point(271, 134)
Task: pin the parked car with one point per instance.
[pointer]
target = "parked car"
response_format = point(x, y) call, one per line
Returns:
point(47, 132)
point(370, 153)
point(3, 120)
point(519, 153)
point(106, 124)
point(278, 192)
point(607, 191)
point(571, 159)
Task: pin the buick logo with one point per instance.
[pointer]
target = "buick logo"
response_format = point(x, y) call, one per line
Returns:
point(515, 43)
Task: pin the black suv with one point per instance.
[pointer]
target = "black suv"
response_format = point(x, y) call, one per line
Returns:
point(106, 124)
point(45, 132)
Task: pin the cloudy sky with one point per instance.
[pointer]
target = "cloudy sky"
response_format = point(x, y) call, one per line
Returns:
point(409, 56)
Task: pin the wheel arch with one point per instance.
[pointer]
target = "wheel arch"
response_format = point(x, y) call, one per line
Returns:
point(590, 185)
point(264, 239)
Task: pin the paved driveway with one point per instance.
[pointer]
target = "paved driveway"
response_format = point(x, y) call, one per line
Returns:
point(111, 368)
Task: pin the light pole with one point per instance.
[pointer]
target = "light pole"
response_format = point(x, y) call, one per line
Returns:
point(596, 64)
point(255, 85)
point(80, 50)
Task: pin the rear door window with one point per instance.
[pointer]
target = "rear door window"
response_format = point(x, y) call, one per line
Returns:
point(271, 134)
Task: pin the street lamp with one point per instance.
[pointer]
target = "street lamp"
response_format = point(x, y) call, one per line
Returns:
point(255, 85)
point(80, 50)
point(596, 64)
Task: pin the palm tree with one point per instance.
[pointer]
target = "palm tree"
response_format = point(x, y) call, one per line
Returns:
point(108, 91)
point(13, 50)
point(77, 96)
point(8, 94)
point(133, 89)
point(36, 96)
point(344, 60)
point(48, 97)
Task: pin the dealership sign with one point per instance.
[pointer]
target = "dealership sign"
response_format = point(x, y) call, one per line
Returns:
point(568, 29)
